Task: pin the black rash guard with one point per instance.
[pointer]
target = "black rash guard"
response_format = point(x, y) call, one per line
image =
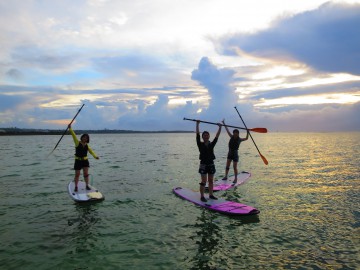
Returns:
point(207, 155)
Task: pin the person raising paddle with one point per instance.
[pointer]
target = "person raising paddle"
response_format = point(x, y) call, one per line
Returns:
point(207, 166)
point(81, 160)
point(233, 154)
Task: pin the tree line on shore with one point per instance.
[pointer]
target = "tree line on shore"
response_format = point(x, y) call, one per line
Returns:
point(23, 131)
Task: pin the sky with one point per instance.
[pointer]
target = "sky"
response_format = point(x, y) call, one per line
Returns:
point(146, 64)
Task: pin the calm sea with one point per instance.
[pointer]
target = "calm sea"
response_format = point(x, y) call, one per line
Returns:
point(308, 195)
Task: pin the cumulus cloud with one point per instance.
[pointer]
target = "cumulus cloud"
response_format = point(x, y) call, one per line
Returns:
point(157, 116)
point(327, 39)
point(218, 82)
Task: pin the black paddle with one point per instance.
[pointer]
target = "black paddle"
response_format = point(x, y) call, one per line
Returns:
point(262, 157)
point(259, 130)
point(67, 129)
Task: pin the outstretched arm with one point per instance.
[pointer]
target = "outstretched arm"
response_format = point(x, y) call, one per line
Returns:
point(92, 152)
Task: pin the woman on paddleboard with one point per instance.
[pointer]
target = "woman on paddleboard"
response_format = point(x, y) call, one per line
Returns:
point(207, 166)
point(81, 160)
point(233, 154)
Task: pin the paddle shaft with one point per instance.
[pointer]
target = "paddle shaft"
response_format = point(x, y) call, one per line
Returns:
point(67, 128)
point(262, 157)
point(212, 123)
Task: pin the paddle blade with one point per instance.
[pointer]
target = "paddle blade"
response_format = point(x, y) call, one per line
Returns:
point(264, 159)
point(259, 130)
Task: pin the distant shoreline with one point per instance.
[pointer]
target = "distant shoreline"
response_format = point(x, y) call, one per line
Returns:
point(19, 131)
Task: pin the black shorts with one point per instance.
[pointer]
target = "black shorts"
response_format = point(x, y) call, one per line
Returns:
point(233, 155)
point(79, 164)
point(207, 169)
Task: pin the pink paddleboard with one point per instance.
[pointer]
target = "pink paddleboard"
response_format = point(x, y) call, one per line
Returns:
point(220, 184)
point(219, 205)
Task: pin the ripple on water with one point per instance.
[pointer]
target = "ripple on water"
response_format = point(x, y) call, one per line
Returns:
point(308, 196)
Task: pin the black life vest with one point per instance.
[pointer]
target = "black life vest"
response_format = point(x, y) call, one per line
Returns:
point(234, 144)
point(81, 151)
point(207, 155)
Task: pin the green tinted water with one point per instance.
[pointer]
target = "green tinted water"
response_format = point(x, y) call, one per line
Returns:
point(308, 196)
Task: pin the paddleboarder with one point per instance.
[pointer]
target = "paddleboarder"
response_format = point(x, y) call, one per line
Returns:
point(233, 154)
point(82, 147)
point(207, 166)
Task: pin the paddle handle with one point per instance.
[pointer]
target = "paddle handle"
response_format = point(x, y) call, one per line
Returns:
point(67, 128)
point(262, 157)
point(76, 115)
point(259, 130)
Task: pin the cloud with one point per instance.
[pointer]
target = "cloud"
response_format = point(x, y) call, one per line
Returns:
point(326, 39)
point(10, 101)
point(14, 74)
point(35, 57)
point(341, 87)
point(310, 118)
point(74, 66)
point(136, 67)
point(157, 116)
point(218, 82)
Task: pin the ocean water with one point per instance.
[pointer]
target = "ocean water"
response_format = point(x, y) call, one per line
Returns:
point(308, 196)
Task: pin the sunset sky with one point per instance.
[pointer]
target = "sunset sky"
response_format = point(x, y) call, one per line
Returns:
point(147, 64)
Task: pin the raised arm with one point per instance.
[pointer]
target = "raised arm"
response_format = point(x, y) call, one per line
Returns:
point(247, 136)
point(76, 141)
point(227, 129)
point(197, 127)
point(219, 130)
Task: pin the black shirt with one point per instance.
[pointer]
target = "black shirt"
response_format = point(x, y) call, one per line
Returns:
point(206, 151)
point(234, 143)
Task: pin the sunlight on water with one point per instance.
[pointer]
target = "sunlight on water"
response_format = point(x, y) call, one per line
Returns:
point(308, 196)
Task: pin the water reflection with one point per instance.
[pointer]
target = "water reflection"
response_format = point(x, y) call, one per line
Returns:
point(87, 215)
point(242, 220)
point(207, 237)
point(84, 230)
point(212, 238)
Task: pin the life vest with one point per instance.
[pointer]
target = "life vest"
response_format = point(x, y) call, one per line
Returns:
point(81, 151)
point(207, 155)
point(234, 144)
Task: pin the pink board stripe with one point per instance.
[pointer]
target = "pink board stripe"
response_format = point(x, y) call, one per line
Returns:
point(220, 205)
point(221, 185)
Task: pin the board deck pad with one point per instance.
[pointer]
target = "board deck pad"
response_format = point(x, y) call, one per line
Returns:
point(220, 185)
point(220, 205)
point(84, 195)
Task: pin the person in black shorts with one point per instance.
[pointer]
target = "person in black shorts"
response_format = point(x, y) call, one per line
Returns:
point(233, 154)
point(207, 166)
point(81, 160)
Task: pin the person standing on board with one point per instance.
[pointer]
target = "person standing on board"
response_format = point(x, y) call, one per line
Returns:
point(233, 154)
point(81, 160)
point(207, 166)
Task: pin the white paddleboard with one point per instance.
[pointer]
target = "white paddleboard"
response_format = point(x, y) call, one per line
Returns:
point(84, 195)
point(220, 184)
